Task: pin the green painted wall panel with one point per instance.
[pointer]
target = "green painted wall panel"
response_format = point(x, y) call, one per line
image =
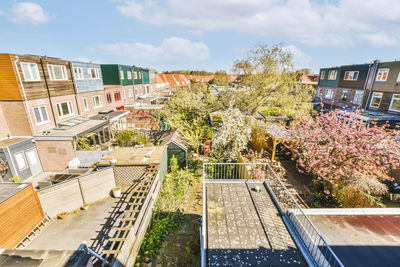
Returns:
point(146, 79)
point(110, 74)
point(126, 69)
point(325, 81)
point(138, 70)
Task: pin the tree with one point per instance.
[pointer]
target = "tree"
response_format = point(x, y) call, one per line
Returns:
point(232, 136)
point(342, 152)
point(189, 110)
point(268, 78)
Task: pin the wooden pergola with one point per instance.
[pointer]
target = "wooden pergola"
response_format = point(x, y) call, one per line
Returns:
point(278, 135)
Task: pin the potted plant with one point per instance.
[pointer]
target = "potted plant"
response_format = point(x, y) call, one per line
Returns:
point(62, 215)
point(116, 192)
point(85, 207)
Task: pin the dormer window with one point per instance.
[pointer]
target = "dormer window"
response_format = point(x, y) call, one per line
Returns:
point(351, 75)
point(57, 72)
point(382, 75)
point(30, 71)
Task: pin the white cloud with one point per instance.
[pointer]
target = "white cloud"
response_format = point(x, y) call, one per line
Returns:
point(29, 13)
point(328, 23)
point(172, 52)
point(300, 59)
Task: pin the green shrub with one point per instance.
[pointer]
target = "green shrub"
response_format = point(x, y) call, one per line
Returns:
point(271, 111)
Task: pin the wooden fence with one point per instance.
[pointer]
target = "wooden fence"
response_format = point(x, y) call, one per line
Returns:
point(72, 194)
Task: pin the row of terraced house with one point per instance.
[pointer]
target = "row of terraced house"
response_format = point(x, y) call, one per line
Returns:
point(47, 104)
point(372, 87)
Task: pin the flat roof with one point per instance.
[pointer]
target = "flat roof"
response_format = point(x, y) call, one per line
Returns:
point(8, 190)
point(67, 132)
point(12, 141)
point(244, 227)
point(115, 114)
point(362, 240)
point(134, 156)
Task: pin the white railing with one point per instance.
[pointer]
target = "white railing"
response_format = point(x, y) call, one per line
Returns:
point(319, 252)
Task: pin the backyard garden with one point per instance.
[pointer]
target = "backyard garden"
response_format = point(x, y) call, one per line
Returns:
point(326, 159)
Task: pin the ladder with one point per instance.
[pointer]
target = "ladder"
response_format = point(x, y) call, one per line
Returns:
point(46, 221)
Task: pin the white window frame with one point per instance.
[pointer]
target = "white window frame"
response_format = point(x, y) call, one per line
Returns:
point(140, 75)
point(372, 98)
point(130, 93)
point(23, 158)
point(121, 74)
point(383, 70)
point(30, 65)
point(330, 95)
point(398, 78)
point(355, 94)
point(135, 75)
point(85, 104)
point(397, 97)
point(123, 94)
point(332, 75)
point(41, 115)
point(27, 153)
point(100, 101)
point(50, 68)
point(129, 74)
point(351, 72)
point(341, 95)
point(70, 109)
point(96, 71)
point(78, 75)
point(322, 75)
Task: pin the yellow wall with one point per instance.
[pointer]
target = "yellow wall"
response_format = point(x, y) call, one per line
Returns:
point(9, 86)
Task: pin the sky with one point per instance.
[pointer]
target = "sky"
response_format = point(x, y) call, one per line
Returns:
point(202, 34)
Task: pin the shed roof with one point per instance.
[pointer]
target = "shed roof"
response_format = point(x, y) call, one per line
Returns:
point(175, 137)
point(7, 190)
point(127, 156)
point(12, 141)
point(110, 115)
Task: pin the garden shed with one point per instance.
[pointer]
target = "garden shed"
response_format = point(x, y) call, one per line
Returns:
point(176, 146)
point(20, 213)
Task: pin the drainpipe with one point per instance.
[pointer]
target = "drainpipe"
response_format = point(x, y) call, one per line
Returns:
point(372, 82)
point(48, 92)
point(75, 89)
point(25, 98)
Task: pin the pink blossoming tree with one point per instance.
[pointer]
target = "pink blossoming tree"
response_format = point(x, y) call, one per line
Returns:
point(343, 152)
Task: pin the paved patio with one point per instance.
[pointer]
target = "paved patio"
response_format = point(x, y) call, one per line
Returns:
point(244, 228)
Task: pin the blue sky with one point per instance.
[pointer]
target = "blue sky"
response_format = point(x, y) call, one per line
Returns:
point(202, 34)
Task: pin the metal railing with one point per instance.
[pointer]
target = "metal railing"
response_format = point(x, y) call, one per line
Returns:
point(311, 240)
point(318, 249)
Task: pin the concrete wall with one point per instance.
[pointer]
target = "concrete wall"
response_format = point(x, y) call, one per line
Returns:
point(72, 194)
point(55, 155)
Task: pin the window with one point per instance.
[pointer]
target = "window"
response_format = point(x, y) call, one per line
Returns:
point(78, 73)
point(328, 93)
point(31, 72)
point(130, 93)
point(21, 161)
point(398, 78)
point(124, 94)
point(136, 91)
point(129, 74)
point(382, 75)
point(109, 98)
point(318, 92)
point(140, 75)
point(322, 76)
point(117, 96)
point(85, 104)
point(64, 109)
point(41, 115)
point(121, 73)
point(358, 96)
point(135, 75)
point(148, 89)
point(57, 72)
point(32, 158)
point(376, 100)
point(97, 101)
point(94, 73)
point(351, 75)
point(332, 75)
point(344, 96)
point(395, 103)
